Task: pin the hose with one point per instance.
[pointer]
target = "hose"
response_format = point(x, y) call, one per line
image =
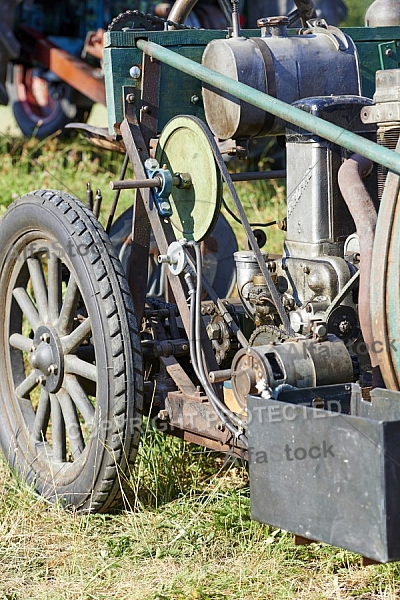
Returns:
point(230, 420)
point(363, 211)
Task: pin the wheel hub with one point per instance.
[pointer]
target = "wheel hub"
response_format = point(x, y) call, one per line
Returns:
point(47, 358)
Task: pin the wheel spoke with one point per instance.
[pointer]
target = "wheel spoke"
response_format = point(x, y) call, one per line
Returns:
point(72, 341)
point(73, 428)
point(20, 342)
point(27, 307)
point(57, 430)
point(75, 365)
point(27, 385)
point(39, 286)
point(54, 287)
point(80, 399)
point(42, 417)
point(68, 308)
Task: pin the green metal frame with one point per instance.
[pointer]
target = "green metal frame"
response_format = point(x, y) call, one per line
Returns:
point(181, 75)
point(377, 49)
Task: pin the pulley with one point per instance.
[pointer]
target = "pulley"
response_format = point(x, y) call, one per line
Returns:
point(184, 148)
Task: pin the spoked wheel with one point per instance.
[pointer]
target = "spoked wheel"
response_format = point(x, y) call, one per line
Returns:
point(41, 106)
point(70, 362)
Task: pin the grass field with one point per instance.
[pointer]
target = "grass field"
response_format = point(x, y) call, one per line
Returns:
point(189, 534)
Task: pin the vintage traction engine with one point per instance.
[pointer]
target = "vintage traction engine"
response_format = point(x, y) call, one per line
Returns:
point(304, 355)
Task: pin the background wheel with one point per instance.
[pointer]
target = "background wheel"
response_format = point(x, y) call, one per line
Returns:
point(70, 362)
point(218, 250)
point(42, 105)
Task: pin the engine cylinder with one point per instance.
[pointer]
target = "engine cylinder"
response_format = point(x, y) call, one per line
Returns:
point(322, 61)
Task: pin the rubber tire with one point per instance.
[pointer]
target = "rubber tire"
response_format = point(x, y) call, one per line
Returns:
point(63, 110)
point(99, 480)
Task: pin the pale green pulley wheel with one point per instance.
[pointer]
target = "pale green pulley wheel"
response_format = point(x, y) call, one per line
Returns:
point(184, 147)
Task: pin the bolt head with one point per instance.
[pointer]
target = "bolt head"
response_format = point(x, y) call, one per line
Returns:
point(320, 331)
point(135, 72)
point(213, 330)
point(163, 415)
point(45, 338)
point(165, 205)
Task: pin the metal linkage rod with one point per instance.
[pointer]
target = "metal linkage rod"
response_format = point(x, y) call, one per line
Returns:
point(258, 175)
point(133, 184)
point(289, 113)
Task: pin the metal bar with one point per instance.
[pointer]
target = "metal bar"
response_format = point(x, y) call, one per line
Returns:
point(162, 229)
point(291, 114)
point(116, 195)
point(134, 184)
point(258, 175)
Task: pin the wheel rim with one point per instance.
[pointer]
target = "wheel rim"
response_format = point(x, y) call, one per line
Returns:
point(36, 96)
point(52, 366)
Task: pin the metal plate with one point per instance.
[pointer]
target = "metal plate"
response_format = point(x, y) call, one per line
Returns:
point(184, 148)
point(329, 476)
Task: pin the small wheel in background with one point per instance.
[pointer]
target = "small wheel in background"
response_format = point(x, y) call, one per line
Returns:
point(42, 104)
point(217, 250)
point(70, 360)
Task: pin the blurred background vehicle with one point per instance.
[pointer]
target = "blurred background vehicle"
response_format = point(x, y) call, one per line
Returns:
point(54, 50)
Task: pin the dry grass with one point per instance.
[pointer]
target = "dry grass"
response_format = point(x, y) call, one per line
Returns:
point(198, 544)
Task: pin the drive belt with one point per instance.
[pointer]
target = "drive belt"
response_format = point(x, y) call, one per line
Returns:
point(276, 300)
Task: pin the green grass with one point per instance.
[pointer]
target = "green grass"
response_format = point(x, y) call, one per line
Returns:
point(189, 535)
point(194, 540)
point(68, 165)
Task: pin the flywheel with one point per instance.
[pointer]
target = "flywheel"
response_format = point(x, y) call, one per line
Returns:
point(385, 283)
point(184, 148)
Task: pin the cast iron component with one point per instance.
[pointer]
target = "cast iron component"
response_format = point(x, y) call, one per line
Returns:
point(318, 220)
point(223, 341)
point(302, 363)
point(246, 269)
point(267, 334)
point(385, 112)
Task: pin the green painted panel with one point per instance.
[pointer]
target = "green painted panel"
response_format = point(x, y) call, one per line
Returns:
point(177, 89)
point(127, 39)
point(372, 34)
